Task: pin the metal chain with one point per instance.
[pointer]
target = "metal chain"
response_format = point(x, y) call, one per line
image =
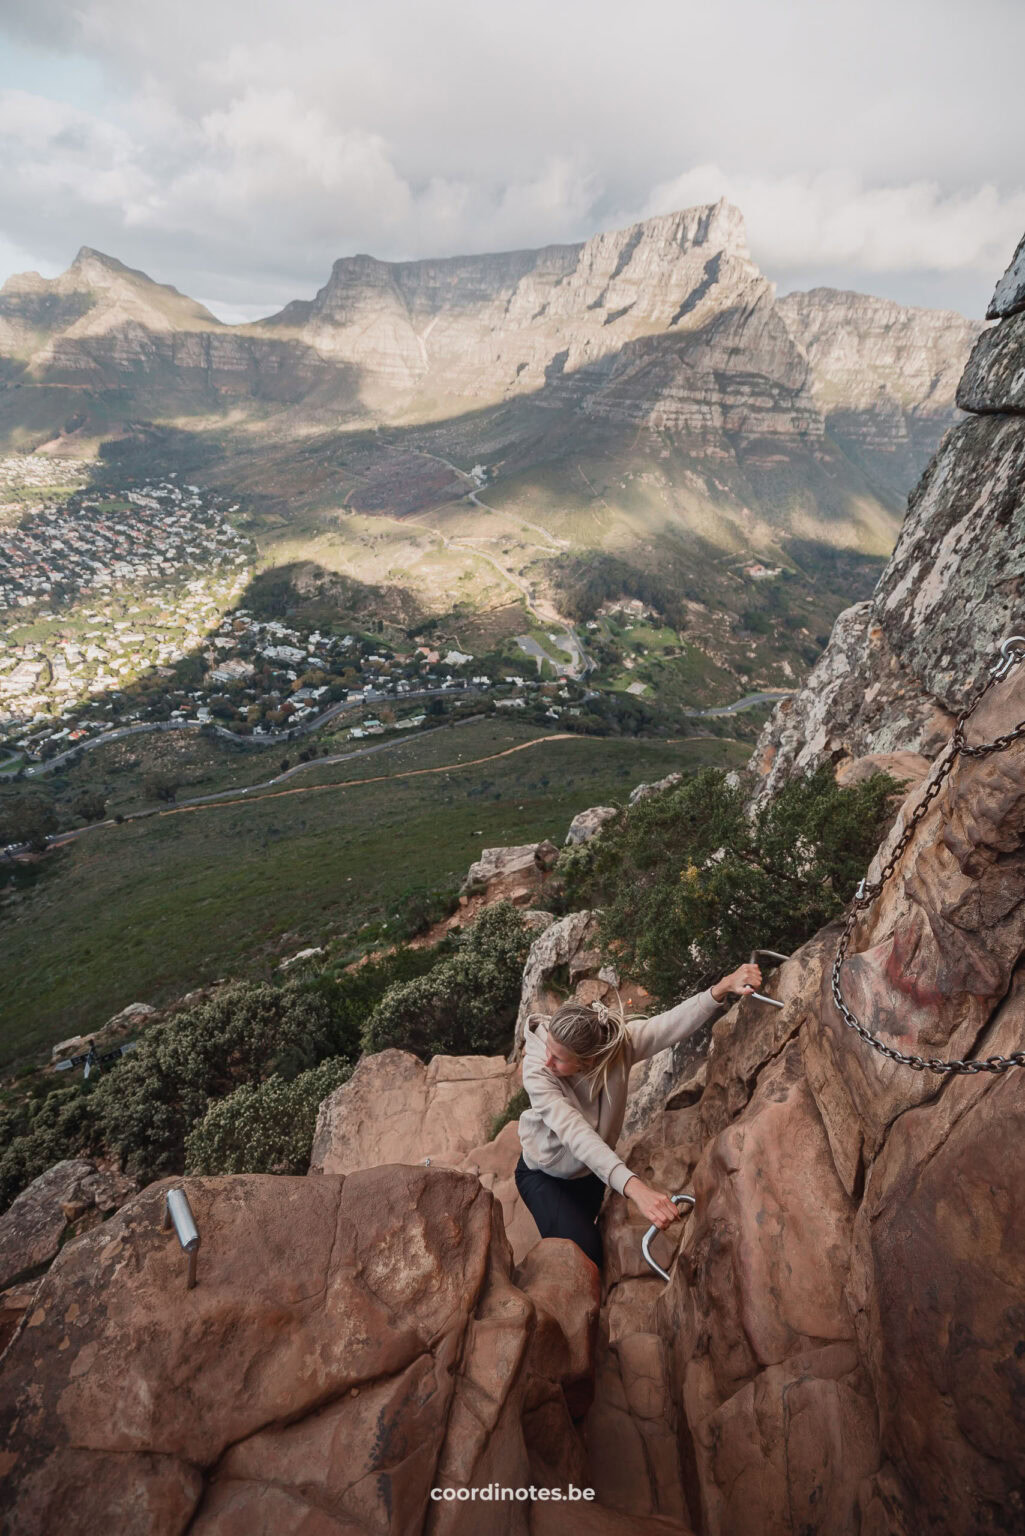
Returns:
point(1012, 652)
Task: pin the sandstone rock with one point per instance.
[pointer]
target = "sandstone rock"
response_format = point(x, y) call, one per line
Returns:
point(494, 1163)
point(586, 823)
point(568, 945)
point(35, 1225)
point(396, 1109)
point(908, 768)
point(509, 874)
point(75, 1045)
point(15, 1301)
point(835, 1349)
point(351, 1343)
point(135, 1013)
point(399, 1111)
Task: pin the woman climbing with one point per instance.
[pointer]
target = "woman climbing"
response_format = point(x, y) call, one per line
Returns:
point(575, 1071)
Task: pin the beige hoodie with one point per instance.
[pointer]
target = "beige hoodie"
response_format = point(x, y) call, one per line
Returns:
point(572, 1127)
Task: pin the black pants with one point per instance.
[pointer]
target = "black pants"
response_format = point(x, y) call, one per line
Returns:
point(563, 1207)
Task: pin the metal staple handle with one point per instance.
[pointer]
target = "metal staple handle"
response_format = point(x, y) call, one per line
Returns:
point(773, 954)
point(179, 1215)
point(646, 1239)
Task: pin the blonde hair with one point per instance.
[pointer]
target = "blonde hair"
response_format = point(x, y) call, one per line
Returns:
point(595, 1033)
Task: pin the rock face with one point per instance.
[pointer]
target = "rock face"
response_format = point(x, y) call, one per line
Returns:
point(900, 667)
point(394, 1109)
point(838, 1347)
point(667, 325)
point(882, 375)
point(351, 1343)
point(564, 962)
point(65, 1199)
point(586, 823)
point(102, 325)
point(510, 874)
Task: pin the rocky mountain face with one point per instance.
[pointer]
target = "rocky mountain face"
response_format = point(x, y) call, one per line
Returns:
point(103, 327)
point(668, 324)
point(899, 667)
point(883, 376)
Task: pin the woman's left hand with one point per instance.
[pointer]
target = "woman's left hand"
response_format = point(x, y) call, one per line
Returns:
point(743, 980)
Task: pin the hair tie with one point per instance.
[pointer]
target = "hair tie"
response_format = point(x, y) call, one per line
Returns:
point(601, 1010)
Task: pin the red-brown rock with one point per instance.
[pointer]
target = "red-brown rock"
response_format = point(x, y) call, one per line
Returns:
point(351, 1343)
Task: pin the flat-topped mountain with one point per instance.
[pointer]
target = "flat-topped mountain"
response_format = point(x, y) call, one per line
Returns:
point(668, 324)
point(641, 396)
point(487, 327)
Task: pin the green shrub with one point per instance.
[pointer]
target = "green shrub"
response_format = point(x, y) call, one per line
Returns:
point(466, 1004)
point(245, 1033)
point(36, 1134)
point(145, 1108)
point(688, 886)
point(572, 879)
point(264, 1129)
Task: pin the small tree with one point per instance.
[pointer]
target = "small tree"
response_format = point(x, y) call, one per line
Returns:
point(687, 885)
point(91, 805)
point(160, 786)
point(27, 818)
point(465, 1004)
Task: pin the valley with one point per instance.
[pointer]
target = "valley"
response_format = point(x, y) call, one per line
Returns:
point(615, 493)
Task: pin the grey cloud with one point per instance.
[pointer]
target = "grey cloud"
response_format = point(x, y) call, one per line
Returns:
point(246, 145)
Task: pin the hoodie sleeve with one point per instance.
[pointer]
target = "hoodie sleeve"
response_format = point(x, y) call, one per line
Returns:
point(555, 1109)
point(649, 1036)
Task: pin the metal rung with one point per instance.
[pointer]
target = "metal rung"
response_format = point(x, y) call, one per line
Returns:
point(646, 1239)
point(773, 954)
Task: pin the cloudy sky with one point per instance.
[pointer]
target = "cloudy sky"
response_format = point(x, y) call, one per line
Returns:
point(235, 148)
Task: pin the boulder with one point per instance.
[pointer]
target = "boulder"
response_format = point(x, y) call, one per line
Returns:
point(71, 1194)
point(586, 823)
point(509, 874)
point(352, 1342)
point(564, 963)
point(300, 958)
point(397, 1109)
point(394, 1109)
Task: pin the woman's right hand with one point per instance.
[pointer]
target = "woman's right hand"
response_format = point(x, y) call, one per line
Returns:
point(653, 1205)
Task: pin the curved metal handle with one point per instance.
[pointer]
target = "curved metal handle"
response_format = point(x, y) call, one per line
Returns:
point(773, 954)
point(646, 1239)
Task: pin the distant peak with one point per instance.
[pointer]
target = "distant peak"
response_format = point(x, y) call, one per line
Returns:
point(87, 256)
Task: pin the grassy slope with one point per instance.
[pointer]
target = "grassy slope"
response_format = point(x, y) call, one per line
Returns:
point(147, 910)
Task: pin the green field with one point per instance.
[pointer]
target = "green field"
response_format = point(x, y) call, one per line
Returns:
point(148, 910)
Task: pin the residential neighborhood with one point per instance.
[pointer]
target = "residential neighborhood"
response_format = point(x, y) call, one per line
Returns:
point(124, 611)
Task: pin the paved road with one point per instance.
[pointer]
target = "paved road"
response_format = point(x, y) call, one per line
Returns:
point(746, 702)
point(278, 738)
